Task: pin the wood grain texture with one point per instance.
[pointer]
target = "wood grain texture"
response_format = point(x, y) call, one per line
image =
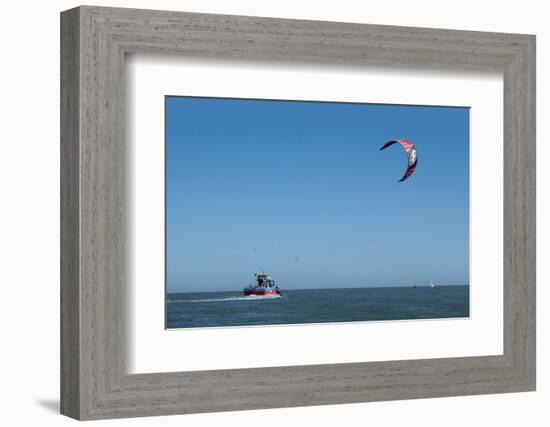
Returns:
point(70, 220)
point(94, 382)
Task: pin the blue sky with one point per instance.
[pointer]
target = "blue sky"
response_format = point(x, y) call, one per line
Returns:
point(301, 190)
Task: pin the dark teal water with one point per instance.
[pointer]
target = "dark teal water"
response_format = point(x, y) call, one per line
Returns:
point(210, 309)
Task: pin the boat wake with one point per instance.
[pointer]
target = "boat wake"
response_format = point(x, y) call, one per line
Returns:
point(240, 298)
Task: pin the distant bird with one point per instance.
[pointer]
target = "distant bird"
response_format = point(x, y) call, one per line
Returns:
point(297, 258)
point(255, 249)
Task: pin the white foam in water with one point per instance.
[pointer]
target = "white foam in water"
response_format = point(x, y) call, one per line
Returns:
point(249, 298)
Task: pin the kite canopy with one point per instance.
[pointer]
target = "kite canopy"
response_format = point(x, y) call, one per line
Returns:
point(412, 157)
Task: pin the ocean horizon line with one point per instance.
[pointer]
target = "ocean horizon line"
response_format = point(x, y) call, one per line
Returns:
point(324, 289)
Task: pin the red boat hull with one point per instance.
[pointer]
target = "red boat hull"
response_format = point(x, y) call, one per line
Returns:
point(259, 293)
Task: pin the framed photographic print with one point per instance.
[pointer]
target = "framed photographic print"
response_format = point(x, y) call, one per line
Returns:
point(262, 213)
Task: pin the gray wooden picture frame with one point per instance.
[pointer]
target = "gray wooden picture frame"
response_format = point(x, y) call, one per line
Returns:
point(94, 381)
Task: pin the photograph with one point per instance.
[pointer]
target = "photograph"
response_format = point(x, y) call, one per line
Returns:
point(286, 212)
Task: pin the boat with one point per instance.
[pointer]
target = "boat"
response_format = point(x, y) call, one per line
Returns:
point(432, 284)
point(265, 287)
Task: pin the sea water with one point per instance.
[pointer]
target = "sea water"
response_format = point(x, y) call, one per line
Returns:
point(300, 306)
